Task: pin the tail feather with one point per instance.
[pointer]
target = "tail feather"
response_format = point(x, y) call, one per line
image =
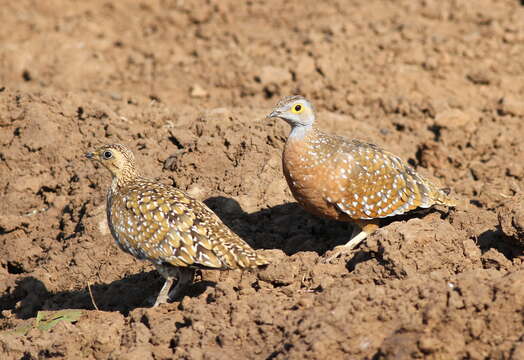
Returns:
point(235, 253)
point(246, 257)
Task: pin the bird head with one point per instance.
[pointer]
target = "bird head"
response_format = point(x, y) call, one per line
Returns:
point(117, 158)
point(295, 110)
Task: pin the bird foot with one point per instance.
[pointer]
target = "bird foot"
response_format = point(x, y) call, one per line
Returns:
point(336, 253)
point(158, 301)
point(155, 302)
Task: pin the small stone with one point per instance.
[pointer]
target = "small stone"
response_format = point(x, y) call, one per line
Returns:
point(115, 96)
point(8, 314)
point(198, 92)
point(452, 118)
point(480, 78)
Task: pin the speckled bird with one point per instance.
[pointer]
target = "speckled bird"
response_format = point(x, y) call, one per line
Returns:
point(157, 222)
point(348, 180)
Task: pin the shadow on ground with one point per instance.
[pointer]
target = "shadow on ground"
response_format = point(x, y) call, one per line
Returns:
point(290, 228)
point(123, 295)
point(287, 227)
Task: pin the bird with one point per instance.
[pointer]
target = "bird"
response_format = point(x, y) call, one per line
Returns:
point(348, 180)
point(161, 224)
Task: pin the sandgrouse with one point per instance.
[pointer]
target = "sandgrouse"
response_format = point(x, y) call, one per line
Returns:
point(348, 180)
point(159, 223)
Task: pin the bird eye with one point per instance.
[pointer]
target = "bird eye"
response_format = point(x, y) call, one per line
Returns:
point(297, 109)
point(107, 155)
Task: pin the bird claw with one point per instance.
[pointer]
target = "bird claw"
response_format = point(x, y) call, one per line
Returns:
point(336, 253)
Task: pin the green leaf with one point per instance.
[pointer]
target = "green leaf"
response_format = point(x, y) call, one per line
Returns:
point(19, 331)
point(45, 321)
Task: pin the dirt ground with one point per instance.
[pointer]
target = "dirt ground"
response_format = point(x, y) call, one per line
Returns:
point(186, 84)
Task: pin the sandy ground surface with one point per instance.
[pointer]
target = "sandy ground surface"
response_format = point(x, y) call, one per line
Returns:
point(187, 84)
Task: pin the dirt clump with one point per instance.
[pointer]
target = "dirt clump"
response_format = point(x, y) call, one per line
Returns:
point(511, 218)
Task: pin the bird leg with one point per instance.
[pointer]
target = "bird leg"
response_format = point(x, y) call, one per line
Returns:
point(360, 231)
point(185, 277)
point(163, 296)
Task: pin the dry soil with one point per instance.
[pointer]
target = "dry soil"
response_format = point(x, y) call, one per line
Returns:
point(186, 84)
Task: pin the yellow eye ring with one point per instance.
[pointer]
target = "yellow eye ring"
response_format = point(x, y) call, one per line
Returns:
point(297, 109)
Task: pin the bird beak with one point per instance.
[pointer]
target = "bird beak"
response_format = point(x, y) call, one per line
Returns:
point(273, 114)
point(90, 155)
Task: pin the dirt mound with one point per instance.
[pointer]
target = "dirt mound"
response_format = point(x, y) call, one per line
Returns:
point(187, 85)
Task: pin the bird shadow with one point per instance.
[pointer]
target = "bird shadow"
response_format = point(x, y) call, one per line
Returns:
point(289, 227)
point(286, 227)
point(497, 240)
point(30, 295)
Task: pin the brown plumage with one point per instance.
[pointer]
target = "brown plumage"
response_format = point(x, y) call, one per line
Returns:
point(157, 222)
point(348, 180)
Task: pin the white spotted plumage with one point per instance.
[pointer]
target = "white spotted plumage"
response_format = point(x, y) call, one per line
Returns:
point(348, 180)
point(156, 222)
